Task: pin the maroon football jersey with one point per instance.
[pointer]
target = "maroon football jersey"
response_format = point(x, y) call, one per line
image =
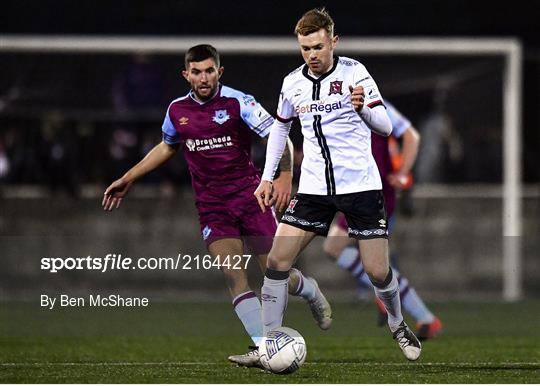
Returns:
point(215, 137)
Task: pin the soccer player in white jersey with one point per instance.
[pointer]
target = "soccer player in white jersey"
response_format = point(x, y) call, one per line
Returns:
point(338, 105)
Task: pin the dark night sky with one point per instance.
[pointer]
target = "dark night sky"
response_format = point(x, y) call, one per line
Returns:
point(382, 17)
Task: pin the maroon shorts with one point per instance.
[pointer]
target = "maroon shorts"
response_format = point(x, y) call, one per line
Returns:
point(238, 217)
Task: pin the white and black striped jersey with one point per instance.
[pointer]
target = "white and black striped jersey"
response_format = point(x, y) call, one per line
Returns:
point(337, 142)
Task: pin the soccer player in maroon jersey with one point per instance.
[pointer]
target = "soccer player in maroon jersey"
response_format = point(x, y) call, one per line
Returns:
point(213, 124)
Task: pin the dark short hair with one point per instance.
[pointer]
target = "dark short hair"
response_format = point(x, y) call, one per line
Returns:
point(201, 52)
point(314, 20)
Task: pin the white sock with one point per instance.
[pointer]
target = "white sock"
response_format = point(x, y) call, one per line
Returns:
point(274, 296)
point(305, 288)
point(248, 308)
point(412, 303)
point(388, 294)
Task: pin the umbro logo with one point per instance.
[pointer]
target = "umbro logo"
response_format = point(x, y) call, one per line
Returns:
point(268, 298)
point(183, 120)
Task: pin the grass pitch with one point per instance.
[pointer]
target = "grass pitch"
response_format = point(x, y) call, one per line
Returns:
point(189, 343)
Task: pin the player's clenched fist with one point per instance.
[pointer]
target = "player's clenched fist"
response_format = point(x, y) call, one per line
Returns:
point(357, 97)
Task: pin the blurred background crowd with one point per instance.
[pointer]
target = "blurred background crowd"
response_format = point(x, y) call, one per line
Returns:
point(72, 119)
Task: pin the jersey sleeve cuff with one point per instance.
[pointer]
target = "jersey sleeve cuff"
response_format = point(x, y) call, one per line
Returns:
point(284, 120)
point(170, 140)
point(375, 104)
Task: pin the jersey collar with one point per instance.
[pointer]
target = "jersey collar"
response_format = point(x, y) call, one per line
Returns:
point(305, 72)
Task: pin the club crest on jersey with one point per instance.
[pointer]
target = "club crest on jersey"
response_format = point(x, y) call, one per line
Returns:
point(292, 204)
point(190, 144)
point(335, 87)
point(221, 116)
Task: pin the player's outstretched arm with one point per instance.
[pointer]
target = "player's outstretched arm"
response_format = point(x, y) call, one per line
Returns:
point(112, 198)
point(114, 194)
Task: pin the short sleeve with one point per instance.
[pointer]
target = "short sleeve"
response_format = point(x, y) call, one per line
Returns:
point(400, 123)
point(255, 116)
point(285, 109)
point(362, 78)
point(170, 135)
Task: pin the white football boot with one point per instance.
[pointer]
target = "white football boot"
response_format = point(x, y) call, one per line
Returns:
point(249, 359)
point(407, 341)
point(320, 308)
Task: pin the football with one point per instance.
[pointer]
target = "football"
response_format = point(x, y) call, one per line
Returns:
point(283, 351)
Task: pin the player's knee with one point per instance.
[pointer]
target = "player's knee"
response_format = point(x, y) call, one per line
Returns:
point(331, 247)
point(278, 262)
point(327, 246)
point(377, 274)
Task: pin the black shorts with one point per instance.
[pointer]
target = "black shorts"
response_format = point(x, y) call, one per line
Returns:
point(364, 212)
